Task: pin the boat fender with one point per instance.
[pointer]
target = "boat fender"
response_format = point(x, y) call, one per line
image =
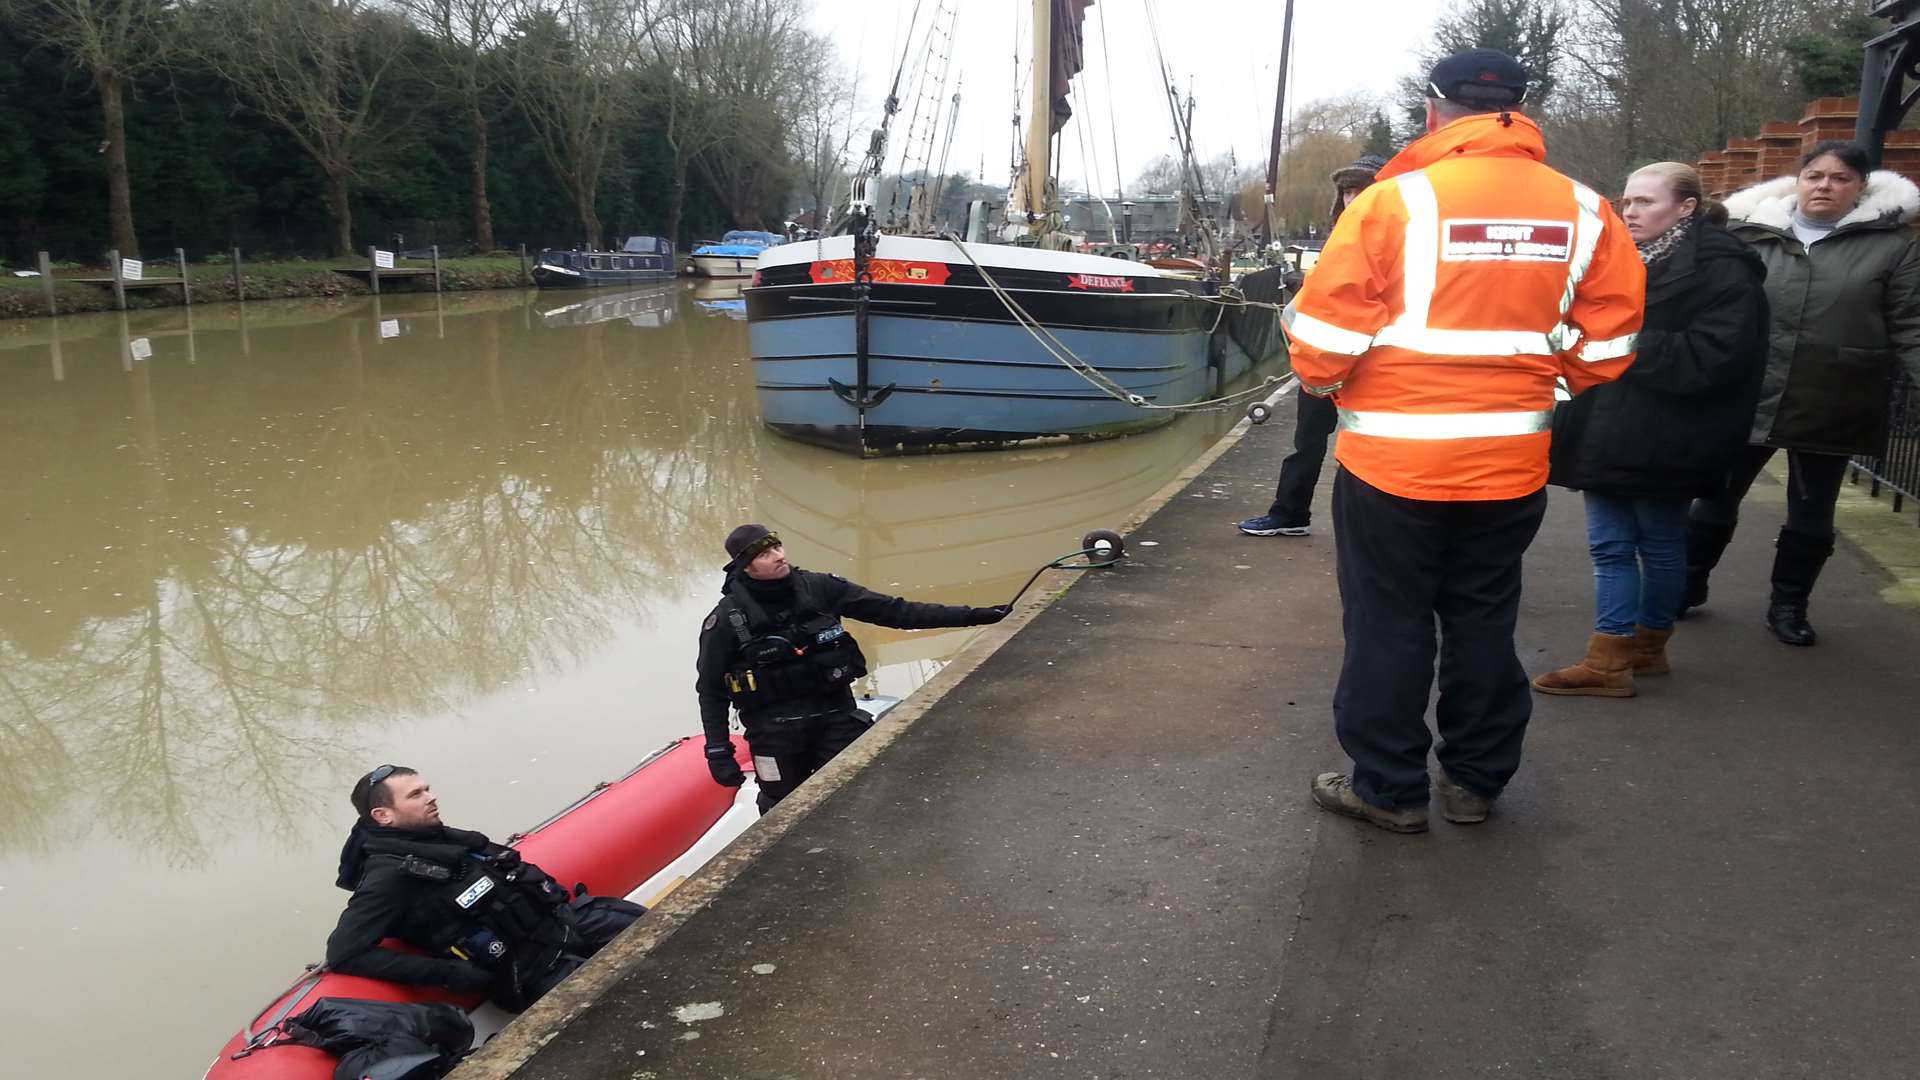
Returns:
point(1104, 547)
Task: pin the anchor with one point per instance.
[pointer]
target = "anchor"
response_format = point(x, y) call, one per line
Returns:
point(852, 397)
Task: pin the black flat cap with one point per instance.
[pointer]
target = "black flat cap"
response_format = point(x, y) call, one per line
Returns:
point(1481, 78)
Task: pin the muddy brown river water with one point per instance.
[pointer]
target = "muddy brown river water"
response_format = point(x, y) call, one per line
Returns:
point(248, 553)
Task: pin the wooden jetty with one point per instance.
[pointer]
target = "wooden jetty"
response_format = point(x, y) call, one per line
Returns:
point(380, 267)
point(127, 274)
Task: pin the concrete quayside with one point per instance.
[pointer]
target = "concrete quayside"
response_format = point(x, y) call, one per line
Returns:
point(1086, 849)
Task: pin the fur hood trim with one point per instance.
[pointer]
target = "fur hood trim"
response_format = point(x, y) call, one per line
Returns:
point(1888, 197)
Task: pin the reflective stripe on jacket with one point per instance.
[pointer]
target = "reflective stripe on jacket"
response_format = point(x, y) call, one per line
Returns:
point(1450, 297)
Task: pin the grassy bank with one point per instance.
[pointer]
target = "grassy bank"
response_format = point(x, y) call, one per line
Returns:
point(280, 279)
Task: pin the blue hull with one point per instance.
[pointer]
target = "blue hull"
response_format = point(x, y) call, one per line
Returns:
point(945, 384)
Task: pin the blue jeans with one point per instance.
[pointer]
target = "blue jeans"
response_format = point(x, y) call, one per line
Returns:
point(1639, 549)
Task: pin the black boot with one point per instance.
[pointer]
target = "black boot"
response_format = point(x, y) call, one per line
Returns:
point(1706, 541)
point(1797, 560)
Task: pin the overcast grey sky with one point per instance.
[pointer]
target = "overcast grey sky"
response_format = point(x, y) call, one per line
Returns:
point(1227, 51)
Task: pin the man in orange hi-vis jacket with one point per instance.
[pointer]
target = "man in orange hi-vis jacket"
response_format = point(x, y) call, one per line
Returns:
point(1450, 298)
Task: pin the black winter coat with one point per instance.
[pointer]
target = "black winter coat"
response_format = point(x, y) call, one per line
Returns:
point(1672, 425)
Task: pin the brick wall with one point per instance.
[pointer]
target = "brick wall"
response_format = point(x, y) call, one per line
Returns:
point(1777, 149)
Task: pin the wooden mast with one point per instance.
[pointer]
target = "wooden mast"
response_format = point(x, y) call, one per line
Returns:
point(1040, 118)
point(1279, 121)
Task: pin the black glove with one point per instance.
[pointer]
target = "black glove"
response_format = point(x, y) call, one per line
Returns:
point(987, 616)
point(726, 771)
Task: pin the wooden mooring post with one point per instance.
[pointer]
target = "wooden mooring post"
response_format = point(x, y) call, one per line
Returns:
point(46, 282)
point(525, 278)
point(373, 268)
point(119, 283)
point(186, 290)
point(239, 282)
point(436, 268)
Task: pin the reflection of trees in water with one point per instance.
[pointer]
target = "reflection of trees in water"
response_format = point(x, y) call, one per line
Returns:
point(350, 530)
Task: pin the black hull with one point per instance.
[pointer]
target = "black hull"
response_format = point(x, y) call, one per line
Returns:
point(881, 440)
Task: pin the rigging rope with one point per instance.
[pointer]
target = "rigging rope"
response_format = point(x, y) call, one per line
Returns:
point(1098, 379)
point(1113, 123)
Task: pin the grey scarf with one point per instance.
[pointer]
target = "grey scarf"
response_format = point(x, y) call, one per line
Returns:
point(1652, 251)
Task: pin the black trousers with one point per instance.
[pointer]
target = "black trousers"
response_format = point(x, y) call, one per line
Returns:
point(1313, 426)
point(590, 924)
point(1813, 489)
point(1405, 564)
point(786, 752)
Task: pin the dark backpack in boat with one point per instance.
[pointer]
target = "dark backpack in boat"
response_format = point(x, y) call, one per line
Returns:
point(384, 1040)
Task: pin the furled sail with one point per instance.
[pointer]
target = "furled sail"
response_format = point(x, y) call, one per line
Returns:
point(1069, 56)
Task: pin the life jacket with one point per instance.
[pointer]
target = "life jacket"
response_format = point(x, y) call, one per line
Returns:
point(482, 908)
point(811, 655)
point(1450, 297)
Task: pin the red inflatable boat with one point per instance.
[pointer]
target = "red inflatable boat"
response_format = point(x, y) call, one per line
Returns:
point(635, 837)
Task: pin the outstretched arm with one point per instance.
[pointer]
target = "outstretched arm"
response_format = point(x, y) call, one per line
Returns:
point(859, 602)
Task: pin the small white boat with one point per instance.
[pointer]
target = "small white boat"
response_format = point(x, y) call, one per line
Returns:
point(737, 254)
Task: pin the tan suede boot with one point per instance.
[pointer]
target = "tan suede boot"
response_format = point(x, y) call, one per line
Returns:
point(1650, 651)
point(1607, 670)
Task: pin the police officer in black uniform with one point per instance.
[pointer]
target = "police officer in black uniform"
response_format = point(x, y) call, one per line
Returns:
point(775, 649)
point(487, 920)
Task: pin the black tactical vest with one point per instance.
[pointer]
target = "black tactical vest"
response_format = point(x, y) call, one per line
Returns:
point(482, 910)
point(809, 656)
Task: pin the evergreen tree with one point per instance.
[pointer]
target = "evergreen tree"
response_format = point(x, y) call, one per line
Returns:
point(1379, 136)
point(1530, 31)
point(1828, 64)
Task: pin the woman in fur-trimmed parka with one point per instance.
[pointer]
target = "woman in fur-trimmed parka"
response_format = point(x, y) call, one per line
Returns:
point(1843, 282)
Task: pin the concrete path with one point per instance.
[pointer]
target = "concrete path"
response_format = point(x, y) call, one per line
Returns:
point(1095, 856)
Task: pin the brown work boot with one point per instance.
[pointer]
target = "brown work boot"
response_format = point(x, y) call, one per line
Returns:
point(1334, 791)
point(1607, 670)
point(1650, 651)
point(1460, 806)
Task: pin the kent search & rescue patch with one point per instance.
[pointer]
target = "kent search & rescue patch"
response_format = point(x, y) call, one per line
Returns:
point(1471, 240)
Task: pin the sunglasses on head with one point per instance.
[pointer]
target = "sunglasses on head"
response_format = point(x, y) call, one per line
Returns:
point(377, 776)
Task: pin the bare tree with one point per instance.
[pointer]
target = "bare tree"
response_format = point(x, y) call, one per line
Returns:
point(1161, 176)
point(113, 42)
point(729, 77)
point(1304, 197)
point(1650, 79)
point(314, 67)
point(466, 33)
point(572, 67)
point(759, 74)
point(821, 131)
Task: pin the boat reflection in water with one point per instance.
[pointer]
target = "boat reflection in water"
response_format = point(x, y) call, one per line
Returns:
point(725, 296)
point(646, 309)
point(958, 529)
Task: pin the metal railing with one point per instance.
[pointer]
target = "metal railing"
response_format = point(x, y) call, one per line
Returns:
point(1897, 466)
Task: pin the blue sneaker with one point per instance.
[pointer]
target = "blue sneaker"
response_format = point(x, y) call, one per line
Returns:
point(1268, 525)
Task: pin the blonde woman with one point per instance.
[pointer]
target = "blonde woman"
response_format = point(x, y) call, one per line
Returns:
point(1642, 447)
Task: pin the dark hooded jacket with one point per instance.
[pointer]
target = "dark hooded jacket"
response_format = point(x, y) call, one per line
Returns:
point(389, 902)
point(1672, 425)
point(1845, 312)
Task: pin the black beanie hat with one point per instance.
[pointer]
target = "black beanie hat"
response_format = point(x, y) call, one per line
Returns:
point(746, 542)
